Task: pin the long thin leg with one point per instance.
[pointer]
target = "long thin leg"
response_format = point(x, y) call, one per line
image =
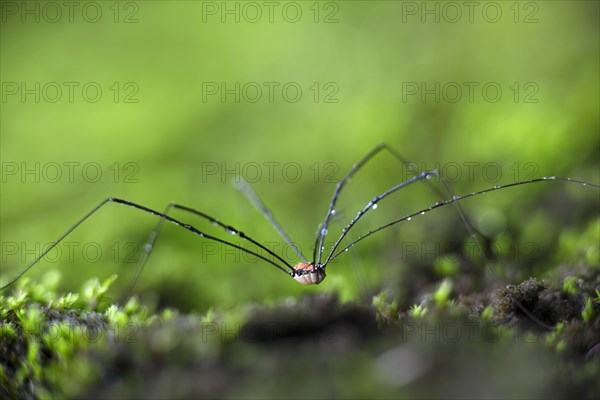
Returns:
point(231, 230)
point(373, 204)
point(153, 212)
point(459, 209)
point(453, 200)
point(399, 157)
point(251, 195)
point(149, 246)
point(457, 199)
point(318, 249)
point(60, 239)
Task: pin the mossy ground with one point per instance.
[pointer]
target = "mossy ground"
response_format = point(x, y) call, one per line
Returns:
point(445, 344)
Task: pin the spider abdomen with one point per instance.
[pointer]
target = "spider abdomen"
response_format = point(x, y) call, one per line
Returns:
point(307, 274)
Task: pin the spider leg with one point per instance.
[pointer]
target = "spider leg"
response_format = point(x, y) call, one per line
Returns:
point(318, 249)
point(251, 195)
point(153, 236)
point(454, 200)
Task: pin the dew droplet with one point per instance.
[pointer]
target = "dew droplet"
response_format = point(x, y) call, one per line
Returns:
point(332, 212)
point(409, 218)
point(422, 212)
point(374, 206)
point(323, 232)
point(455, 197)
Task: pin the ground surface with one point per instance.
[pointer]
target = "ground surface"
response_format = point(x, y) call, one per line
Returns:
point(446, 344)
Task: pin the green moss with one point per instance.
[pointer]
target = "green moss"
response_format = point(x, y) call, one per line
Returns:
point(418, 311)
point(41, 331)
point(488, 313)
point(443, 293)
point(387, 310)
point(588, 311)
point(570, 285)
point(77, 345)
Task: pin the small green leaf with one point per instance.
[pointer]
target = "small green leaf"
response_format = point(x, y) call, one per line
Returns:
point(443, 293)
point(588, 310)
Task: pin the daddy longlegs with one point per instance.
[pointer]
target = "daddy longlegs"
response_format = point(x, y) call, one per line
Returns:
point(305, 272)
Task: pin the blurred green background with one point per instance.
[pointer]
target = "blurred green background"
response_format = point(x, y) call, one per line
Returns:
point(156, 133)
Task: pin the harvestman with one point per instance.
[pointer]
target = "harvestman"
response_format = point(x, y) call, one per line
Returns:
point(305, 272)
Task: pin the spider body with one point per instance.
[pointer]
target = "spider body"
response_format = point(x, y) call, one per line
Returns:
point(308, 274)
